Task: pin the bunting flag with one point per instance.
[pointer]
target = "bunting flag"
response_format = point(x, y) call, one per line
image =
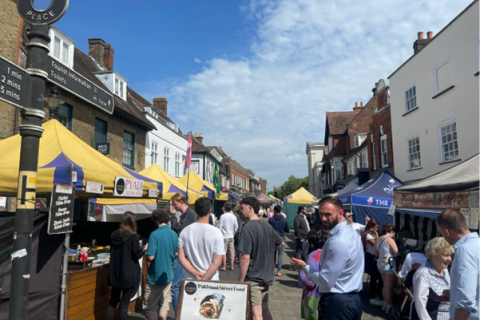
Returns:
point(188, 161)
point(216, 180)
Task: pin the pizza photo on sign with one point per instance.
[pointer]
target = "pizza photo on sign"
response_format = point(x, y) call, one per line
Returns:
point(447, 201)
point(437, 199)
point(417, 200)
point(407, 199)
point(461, 200)
point(427, 200)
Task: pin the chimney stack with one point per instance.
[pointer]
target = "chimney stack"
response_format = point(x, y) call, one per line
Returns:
point(101, 52)
point(420, 43)
point(357, 107)
point(160, 104)
point(199, 137)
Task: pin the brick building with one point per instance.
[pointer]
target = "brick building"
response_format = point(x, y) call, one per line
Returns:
point(263, 186)
point(336, 140)
point(239, 179)
point(356, 161)
point(379, 139)
point(12, 49)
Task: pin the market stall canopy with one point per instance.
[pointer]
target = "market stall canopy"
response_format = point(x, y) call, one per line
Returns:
point(463, 176)
point(274, 199)
point(170, 184)
point(301, 196)
point(348, 188)
point(60, 153)
point(264, 199)
point(376, 192)
point(199, 185)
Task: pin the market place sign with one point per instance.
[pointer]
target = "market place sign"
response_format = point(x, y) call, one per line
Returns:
point(14, 84)
point(126, 187)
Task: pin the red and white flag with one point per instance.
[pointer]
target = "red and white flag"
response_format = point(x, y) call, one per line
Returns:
point(189, 152)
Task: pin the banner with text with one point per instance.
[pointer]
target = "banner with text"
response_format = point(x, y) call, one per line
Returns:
point(126, 187)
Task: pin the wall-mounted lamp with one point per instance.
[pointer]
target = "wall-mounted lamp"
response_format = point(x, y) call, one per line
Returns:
point(53, 101)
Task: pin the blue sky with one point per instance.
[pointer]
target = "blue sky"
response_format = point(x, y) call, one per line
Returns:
point(257, 76)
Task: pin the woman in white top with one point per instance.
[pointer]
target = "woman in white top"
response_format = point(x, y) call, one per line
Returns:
point(385, 247)
point(430, 281)
point(376, 284)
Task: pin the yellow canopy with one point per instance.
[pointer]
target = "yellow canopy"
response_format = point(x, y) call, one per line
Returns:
point(301, 196)
point(199, 185)
point(60, 151)
point(273, 198)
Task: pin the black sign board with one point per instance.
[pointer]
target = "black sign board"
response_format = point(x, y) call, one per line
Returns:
point(163, 204)
point(60, 217)
point(78, 85)
point(103, 147)
point(14, 84)
point(32, 15)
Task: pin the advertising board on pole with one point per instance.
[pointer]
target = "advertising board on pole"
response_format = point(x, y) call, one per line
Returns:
point(127, 187)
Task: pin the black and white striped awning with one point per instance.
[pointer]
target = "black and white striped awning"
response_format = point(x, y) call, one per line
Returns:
point(422, 228)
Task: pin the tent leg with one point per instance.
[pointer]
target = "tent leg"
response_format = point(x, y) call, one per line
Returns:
point(64, 277)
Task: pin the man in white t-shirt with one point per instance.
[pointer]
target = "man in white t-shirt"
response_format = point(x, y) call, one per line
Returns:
point(358, 227)
point(200, 245)
point(228, 226)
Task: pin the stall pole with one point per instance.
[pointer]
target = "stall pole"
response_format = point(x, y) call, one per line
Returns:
point(64, 277)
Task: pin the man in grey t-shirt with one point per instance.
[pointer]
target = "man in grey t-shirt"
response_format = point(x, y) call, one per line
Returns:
point(258, 242)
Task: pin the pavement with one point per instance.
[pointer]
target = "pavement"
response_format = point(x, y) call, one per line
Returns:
point(285, 293)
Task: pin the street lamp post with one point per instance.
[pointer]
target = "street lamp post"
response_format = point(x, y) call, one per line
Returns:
point(31, 131)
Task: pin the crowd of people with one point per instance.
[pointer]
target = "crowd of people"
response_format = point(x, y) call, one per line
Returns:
point(331, 257)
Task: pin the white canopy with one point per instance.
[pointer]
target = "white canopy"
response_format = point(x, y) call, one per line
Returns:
point(463, 176)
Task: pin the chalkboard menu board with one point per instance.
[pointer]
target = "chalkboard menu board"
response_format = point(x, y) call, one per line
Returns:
point(60, 217)
point(163, 204)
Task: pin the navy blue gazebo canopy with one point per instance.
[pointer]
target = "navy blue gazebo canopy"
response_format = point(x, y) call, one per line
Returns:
point(374, 198)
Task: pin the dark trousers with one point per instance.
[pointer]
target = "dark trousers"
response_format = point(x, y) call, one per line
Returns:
point(302, 249)
point(340, 306)
point(123, 296)
point(376, 282)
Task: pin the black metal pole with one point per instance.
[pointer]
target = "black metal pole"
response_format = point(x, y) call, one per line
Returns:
point(31, 131)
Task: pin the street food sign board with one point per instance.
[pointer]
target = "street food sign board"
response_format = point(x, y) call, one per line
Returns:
point(163, 204)
point(223, 300)
point(60, 216)
point(127, 187)
point(14, 84)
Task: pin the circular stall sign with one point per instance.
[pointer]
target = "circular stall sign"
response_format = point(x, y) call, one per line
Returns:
point(32, 15)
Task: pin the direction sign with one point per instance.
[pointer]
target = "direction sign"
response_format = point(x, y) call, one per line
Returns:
point(14, 84)
point(78, 85)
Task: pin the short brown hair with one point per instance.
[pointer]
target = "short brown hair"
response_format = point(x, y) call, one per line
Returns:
point(332, 200)
point(161, 216)
point(179, 197)
point(387, 228)
point(252, 202)
point(453, 220)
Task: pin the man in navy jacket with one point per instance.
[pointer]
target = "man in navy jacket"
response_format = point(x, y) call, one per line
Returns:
point(280, 224)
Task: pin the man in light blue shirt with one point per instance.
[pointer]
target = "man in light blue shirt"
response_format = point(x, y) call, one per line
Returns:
point(342, 261)
point(464, 274)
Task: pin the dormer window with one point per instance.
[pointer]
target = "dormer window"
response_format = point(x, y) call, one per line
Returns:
point(61, 47)
point(359, 138)
point(119, 88)
point(173, 126)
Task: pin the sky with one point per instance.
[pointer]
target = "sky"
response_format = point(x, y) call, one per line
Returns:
point(257, 76)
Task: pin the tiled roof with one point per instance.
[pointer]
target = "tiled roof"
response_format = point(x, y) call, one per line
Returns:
point(126, 110)
point(141, 103)
point(337, 121)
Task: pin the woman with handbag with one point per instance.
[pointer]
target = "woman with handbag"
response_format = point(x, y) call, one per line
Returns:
point(124, 269)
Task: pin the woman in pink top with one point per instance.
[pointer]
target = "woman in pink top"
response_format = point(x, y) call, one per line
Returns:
point(270, 212)
point(310, 295)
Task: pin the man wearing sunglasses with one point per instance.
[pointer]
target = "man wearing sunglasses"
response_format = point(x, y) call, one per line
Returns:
point(358, 227)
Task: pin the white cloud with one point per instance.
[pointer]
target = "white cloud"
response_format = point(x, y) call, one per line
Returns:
point(196, 60)
point(307, 57)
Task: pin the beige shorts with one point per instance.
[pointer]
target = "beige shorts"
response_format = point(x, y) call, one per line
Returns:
point(157, 297)
point(229, 245)
point(259, 293)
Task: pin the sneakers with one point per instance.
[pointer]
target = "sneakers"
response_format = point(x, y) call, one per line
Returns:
point(384, 307)
point(376, 302)
point(388, 309)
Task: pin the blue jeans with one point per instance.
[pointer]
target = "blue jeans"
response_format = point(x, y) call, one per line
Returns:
point(177, 276)
point(280, 255)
